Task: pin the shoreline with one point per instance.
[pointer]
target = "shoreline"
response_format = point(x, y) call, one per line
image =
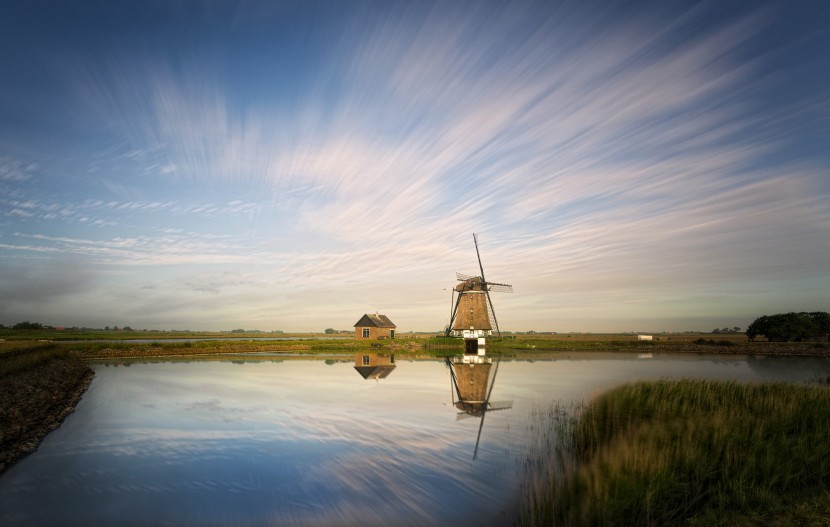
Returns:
point(403, 352)
point(36, 401)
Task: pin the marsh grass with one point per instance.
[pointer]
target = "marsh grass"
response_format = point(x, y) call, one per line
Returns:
point(25, 358)
point(693, 452)
point(557, 343)
point(207, 348)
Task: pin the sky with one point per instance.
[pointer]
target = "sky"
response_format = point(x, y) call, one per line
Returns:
point(626, 166)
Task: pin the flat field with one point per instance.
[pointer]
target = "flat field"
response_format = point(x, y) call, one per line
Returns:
point(124, 344)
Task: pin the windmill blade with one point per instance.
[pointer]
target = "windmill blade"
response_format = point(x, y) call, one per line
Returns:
point(502, 405)
point(478, 437)
point(452, 316)
point(481, 267)
point(499, 288)
point(461, 276)
point(486, 290)
point(454, 379)
point(492, 311)
point(452, 388)
point(460, 416)
point(492, 382)
point(452, 311)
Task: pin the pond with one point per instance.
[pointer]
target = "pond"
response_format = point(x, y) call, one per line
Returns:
point(312, 442)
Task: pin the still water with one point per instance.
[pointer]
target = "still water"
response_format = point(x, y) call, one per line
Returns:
point(314, 443)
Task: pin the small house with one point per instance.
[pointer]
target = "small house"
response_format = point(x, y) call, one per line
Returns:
point(374, 365)
point(374, 327)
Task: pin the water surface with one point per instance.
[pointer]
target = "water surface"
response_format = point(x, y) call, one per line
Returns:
point(311, 443)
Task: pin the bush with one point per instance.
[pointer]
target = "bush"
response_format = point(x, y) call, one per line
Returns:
point(789, 327)
point(28, 325)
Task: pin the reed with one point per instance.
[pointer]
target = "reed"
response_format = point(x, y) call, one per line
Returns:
point(24, 358)
point(693, 452)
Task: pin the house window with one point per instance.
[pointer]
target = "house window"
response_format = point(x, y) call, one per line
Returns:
point(391, 333)
point(365, 333)
point(365, 360)
point(391, 359)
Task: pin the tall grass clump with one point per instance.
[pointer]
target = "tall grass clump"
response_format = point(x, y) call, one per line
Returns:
point(22, 359)
point(697, 453)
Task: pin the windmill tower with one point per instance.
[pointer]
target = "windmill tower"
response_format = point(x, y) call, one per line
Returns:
point(473, 316)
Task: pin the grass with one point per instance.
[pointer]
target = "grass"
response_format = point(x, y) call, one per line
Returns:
point(19, 360)
point(126, 349)
point(690, 452)
point(92, 334)
point(122, 344)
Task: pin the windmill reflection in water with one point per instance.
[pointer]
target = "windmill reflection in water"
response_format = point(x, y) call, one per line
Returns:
point(473, 377)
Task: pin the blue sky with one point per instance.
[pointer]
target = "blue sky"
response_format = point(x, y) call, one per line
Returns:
point(648, 166)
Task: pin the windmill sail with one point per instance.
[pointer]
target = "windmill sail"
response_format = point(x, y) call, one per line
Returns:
point(473, 310)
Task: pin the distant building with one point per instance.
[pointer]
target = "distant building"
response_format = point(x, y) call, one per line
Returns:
point(374, 365)
point(645, 337)
point(374, 327)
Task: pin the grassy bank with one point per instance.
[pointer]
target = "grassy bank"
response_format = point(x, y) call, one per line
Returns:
point(689, 453)
point(38, 389)
point(122, 344)
point(315, 347)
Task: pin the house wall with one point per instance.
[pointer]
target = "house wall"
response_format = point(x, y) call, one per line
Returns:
point(374, 333)
point(375, 359)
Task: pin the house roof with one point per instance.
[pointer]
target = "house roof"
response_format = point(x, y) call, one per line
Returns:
point(378, 321)
point(374, 372)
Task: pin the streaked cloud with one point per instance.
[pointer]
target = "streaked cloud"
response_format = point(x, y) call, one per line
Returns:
point(603, 157)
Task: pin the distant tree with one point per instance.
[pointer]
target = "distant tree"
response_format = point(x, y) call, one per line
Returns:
point(736, 329)
point(28, 325)
point(106, 328)
point(329, 331)
point(240, 330)
point(716, 330)
point(127, 328)
point(791, 327)
point(822, 321)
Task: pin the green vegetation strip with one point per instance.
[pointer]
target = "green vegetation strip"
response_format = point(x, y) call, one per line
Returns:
point(690, 453)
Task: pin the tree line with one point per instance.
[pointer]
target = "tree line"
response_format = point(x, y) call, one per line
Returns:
point(791, 327)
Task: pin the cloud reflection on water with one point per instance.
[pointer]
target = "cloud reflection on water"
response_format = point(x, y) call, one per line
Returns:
point(304, 443)
point(299, 443)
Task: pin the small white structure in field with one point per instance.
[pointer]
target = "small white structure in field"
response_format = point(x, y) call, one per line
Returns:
point(645, 337)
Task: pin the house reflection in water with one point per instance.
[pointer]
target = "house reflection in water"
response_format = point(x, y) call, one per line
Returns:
point(374, 365)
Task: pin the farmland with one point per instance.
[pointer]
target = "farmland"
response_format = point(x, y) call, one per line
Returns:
point(92, 345)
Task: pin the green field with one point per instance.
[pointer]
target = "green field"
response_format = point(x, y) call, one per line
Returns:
point(122, 344)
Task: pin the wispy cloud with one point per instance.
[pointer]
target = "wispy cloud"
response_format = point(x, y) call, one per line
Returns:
point(603, 156)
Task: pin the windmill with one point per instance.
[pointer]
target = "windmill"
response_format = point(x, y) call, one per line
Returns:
point(470, 378)
point(472, 315)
